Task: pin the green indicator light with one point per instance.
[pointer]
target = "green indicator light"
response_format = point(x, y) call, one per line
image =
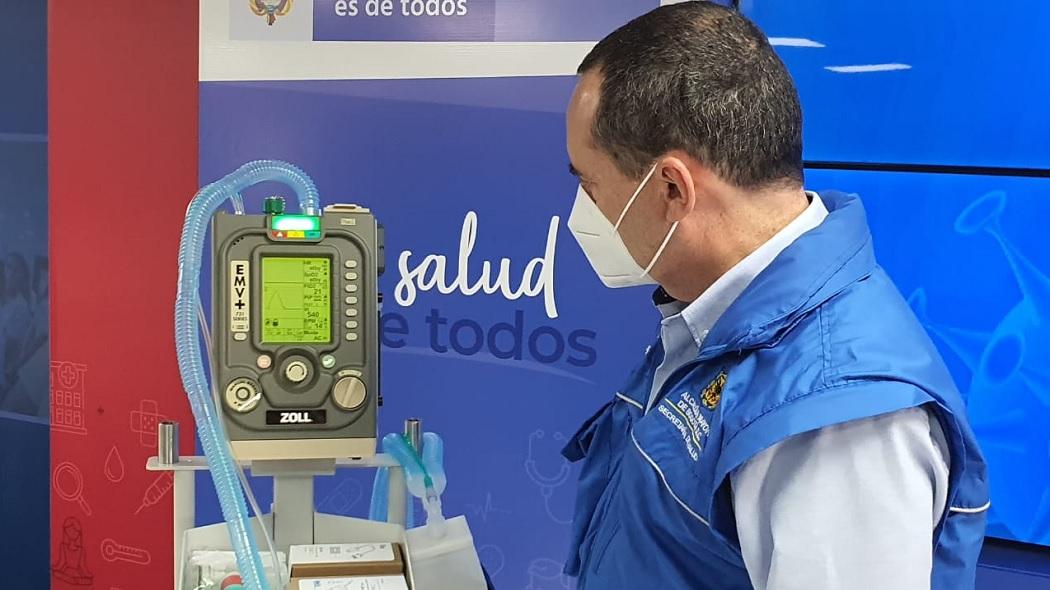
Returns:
point(295, 222)
point(313, 235)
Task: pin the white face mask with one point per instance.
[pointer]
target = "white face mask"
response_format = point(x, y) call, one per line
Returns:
point(603, 246)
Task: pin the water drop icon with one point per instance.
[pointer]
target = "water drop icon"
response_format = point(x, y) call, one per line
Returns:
point(114, 466)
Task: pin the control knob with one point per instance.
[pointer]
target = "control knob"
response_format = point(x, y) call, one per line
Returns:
point(349, 393)
point(242, 395)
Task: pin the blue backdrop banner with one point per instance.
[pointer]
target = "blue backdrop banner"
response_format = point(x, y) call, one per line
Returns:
point(470, 183)
point(472, 20)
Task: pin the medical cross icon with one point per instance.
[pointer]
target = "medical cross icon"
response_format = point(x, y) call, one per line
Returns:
point(144, 422)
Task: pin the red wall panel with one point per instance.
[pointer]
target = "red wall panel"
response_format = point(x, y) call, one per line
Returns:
point(123, 166)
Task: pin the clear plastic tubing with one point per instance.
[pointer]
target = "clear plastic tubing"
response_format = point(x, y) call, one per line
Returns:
point(223, 468)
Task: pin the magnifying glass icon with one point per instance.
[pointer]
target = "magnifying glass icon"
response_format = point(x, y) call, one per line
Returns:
point(71, 486)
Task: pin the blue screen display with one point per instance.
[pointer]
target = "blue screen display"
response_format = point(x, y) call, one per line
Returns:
point(970, 254)
point(961, 83)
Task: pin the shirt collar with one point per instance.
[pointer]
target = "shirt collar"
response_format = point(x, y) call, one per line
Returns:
point(700, 315)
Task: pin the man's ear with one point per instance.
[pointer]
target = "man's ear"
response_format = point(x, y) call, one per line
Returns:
point(680, 194)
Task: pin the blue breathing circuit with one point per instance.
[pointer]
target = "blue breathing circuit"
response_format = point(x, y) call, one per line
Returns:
point(221, 464)
point(424, 476)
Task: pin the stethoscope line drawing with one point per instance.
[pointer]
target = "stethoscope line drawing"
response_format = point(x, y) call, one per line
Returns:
point(546, 570)
point(547, 483)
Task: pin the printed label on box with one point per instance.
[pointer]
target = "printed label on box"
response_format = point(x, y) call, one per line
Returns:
point(355, 583)
point(341, 553)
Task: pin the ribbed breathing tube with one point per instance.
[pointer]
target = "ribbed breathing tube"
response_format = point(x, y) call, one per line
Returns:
point(221, 464)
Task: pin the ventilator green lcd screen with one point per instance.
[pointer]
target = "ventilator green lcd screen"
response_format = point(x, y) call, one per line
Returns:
point(297, 307)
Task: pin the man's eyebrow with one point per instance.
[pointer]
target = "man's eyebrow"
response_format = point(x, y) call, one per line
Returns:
point(573, 170)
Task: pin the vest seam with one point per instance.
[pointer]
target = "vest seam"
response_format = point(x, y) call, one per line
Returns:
point(825, 342)
point(630, 401)
point(663, 479)
point(790, 399)
point(679, 501)
point(964, 510)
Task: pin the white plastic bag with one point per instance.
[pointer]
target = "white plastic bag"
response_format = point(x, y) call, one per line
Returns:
point(448, 562)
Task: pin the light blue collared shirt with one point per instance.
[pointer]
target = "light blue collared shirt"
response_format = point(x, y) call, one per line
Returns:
point(685, 327)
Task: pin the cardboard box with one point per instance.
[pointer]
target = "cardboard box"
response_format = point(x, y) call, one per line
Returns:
point(344, 560)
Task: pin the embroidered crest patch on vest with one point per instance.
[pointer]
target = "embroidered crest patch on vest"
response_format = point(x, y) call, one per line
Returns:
point(712, 394)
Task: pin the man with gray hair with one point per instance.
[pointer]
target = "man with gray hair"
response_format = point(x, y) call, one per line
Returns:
point(793, 426)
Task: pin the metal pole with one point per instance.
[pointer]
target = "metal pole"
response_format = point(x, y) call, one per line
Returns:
point(168, 443)
point(293, 510)
point(397, 492)
point(184, 503)
point(182, 493)
point(414, 432)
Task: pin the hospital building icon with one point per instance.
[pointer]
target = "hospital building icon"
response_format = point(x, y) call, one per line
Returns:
point(1008, 397)
point(67, 397)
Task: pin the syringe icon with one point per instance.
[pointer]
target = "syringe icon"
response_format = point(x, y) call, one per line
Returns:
point(156, 490)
